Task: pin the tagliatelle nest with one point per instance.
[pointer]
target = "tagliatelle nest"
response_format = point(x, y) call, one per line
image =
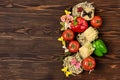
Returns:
point(72, 66)
point(86, 7)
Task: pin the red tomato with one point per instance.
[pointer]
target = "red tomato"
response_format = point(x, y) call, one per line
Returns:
point(68, 35)
point(89, 63)
point(73, 46)
point(96, 22)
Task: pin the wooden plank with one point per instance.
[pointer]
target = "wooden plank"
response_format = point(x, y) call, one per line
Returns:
point(32, 25)
point(65, 2)
point(40, 71)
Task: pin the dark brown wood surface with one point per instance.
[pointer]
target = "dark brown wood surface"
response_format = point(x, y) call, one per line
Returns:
point(29, 49)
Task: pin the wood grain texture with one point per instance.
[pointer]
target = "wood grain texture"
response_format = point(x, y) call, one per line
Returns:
point(29, 49)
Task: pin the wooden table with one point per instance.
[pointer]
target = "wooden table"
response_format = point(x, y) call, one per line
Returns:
point(29, 49)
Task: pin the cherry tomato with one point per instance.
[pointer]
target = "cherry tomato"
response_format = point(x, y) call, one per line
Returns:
point(68, 35)
point(96, 22)
point(73, 46)
point(89, 63)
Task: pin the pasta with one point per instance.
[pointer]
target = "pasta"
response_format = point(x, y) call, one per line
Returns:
point(87, 7)
point(72, 68)
point(86, 50)
point(89, 35)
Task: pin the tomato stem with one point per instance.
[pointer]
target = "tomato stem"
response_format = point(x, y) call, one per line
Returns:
point(73, 46)
point(98, 21)
point(90, 64)
point(68, 35)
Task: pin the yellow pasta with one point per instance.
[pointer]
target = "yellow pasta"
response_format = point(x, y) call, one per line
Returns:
point(86, 50)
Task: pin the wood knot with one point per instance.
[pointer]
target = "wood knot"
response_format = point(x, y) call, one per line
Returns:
point(113, 66)
point(9, 4)
point(23, 30)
